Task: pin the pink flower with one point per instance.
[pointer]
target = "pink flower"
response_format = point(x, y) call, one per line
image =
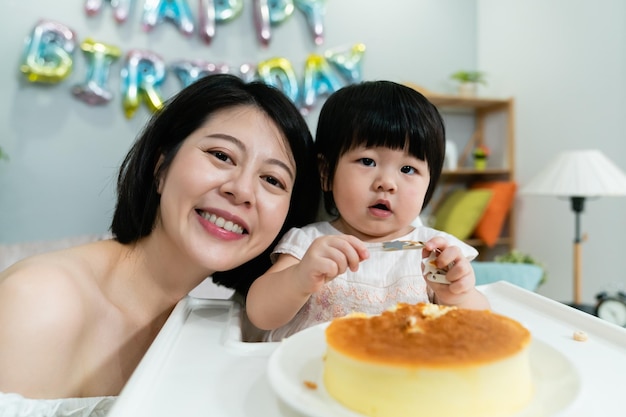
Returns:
point(481, 151)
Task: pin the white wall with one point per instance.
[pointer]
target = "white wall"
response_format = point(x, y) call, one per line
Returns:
point(564, 61)
point(60, 179)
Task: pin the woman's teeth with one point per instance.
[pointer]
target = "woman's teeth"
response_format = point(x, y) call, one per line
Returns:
point(224, 224)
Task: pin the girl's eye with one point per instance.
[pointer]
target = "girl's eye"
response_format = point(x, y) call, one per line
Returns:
point(275, 182)
point(220, 155)
point(408, 170)
point(367, 162)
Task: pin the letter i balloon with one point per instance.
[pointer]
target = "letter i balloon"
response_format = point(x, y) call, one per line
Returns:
point(99, 58)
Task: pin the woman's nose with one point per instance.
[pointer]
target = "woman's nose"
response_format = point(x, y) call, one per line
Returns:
point(240, 188)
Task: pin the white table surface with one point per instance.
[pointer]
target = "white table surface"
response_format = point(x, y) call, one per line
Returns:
point(198, 366)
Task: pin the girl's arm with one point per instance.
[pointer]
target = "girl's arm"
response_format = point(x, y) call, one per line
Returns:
point(276, 296)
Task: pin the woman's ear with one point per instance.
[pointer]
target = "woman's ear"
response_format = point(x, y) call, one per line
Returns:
point(322, 167)
point(159, 174)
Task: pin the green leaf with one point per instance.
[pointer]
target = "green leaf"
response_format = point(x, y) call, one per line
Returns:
point(469, 77)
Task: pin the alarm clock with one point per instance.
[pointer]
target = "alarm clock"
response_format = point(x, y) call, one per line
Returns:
point(612, 308)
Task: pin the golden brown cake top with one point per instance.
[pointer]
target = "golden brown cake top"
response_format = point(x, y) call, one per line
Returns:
point(427, 335)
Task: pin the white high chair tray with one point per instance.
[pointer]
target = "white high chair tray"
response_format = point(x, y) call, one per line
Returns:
point(198, 366)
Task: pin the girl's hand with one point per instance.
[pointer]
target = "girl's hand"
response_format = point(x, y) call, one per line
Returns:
point(461, 291)
point(328, 257)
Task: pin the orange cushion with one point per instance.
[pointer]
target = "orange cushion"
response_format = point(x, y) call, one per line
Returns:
point(490, 225)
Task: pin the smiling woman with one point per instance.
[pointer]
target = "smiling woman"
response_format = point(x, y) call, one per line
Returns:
point(212, 182)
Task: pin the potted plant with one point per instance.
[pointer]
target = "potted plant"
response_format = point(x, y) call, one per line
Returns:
point(481, 154)
point(3, 155)
point(468, 81)
point(516, 256)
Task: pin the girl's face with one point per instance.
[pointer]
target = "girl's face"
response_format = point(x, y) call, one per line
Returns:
point(378, 192)
point(226, 194)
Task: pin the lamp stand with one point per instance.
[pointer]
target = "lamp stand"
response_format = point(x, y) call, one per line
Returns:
point(578, 205)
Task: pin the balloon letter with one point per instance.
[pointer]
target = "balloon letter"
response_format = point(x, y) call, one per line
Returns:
point(247, 72)
point(216, 11)
point(279, 73)
point(314, 10)
point(189, 72)
point(177, 11)
point(261, 10)
point(121, 8)
point(268, 13)
point(47, 56)
point(318, 80)
point(347, 61)
point(99, 59)
point(143, 72)
point(280, 10)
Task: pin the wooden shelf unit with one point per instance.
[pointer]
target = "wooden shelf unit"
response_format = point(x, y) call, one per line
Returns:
point(493, 124)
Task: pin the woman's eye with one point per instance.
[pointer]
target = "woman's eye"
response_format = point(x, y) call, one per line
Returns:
point(367, 162)
point(408, 170)
point(220, 155)
point(275, 182)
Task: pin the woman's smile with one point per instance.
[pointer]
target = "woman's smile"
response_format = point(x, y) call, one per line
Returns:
point(222, 222)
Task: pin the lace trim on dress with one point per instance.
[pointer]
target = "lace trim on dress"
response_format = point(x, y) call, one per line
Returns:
point(338, 300)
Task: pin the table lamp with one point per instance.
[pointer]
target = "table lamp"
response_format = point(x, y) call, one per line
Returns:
point(578, 175)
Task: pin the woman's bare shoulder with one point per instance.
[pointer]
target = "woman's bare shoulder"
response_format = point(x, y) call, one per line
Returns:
point(58, 271)
point(44, 301)
point(60, 285)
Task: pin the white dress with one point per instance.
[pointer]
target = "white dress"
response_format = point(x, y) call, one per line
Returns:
point(386, 278)
point(15, 405)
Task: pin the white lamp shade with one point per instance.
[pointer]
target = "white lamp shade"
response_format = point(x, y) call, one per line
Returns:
point(579, 173)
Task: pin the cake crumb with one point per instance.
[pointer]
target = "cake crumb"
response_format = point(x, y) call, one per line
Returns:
point(310, 384)
point(412, 325)
point(580, 336)
point(434, 311)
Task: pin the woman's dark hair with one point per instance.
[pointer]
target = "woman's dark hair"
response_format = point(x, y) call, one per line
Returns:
point(137, 198)
point(379, 113)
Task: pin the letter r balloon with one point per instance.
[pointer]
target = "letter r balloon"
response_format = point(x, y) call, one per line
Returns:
point(142, 75)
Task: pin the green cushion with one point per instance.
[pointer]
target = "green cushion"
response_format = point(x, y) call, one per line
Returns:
point(461, 211)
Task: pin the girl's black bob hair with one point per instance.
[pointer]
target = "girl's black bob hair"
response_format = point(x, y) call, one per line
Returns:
point(379, 113)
